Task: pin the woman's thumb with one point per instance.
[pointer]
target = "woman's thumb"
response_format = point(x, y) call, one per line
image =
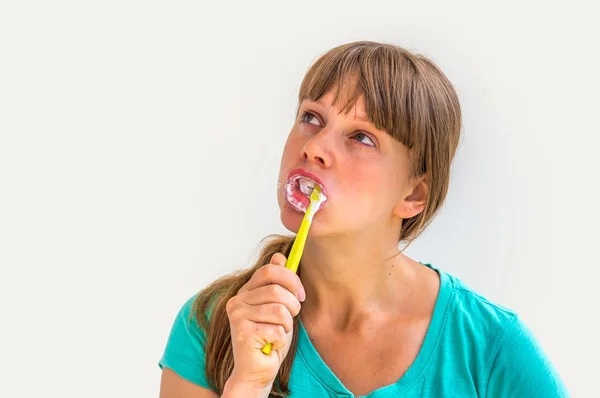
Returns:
point(278, 259)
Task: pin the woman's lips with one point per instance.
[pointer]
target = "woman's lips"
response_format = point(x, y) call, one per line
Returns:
point(298, 173)
point(296, 198)
point(293, 190)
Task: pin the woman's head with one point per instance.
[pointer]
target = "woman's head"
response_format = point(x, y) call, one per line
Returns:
point(390, 170)
point(378, 127)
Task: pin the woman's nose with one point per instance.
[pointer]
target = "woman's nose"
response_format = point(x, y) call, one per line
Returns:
point(318, 151)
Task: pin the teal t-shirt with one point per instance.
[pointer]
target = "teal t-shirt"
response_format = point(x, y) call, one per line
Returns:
point(473, 348)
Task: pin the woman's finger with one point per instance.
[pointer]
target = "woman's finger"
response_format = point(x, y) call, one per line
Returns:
point(272, 313)
point(272, 294)
point(276, 274)
point(258, 334)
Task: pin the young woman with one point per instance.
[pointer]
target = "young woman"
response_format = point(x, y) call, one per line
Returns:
point(377, 128)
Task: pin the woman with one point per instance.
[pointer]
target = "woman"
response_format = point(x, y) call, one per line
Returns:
point(377, 128)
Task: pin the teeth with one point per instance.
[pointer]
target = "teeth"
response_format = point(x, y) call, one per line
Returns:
point(306, 185)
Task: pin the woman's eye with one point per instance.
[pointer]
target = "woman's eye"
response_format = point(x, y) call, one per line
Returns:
point(363, 138)
point(308, 117)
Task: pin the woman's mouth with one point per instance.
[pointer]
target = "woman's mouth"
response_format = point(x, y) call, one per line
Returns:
point(298, 189)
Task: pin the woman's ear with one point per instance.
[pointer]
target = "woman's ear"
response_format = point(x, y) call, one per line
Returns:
point(415, 199)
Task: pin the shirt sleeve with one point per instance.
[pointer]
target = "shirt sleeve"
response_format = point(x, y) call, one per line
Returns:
point(522, 369)
point(185, 349)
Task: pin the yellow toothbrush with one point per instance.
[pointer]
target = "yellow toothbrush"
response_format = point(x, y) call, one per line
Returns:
point(316, 199)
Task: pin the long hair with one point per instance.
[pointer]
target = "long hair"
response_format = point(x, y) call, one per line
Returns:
point(406, 95)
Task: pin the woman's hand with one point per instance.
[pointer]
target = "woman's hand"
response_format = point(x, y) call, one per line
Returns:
point(262, 312)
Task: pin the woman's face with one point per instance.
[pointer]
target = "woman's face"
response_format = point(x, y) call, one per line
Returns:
point(364, 172)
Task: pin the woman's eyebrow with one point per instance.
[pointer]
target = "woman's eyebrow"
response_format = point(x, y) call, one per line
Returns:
point(318, 102)
point(360, 116)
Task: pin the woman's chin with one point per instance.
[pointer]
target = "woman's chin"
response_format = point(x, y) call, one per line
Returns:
point(291, 218)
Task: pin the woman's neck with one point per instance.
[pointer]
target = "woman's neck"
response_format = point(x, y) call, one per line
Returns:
point(352, 280)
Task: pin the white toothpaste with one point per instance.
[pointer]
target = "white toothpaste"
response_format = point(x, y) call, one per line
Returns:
point(314, 208)
point(306, 186)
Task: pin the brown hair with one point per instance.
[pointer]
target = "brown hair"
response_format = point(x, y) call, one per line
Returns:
point(406, 95)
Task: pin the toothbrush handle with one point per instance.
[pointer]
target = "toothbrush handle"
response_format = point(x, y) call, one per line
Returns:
point(293, 260)
point(267, 348)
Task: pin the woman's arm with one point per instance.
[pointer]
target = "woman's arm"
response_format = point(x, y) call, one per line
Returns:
point(173, 386)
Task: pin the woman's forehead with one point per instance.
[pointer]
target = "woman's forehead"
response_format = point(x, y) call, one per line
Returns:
point(353, 107)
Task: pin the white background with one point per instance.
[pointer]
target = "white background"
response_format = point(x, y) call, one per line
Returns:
point(140, 144)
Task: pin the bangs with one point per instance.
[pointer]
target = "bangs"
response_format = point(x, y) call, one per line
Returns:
point(383, 75)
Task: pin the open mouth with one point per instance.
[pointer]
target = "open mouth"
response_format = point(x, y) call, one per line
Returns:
point(298, 190)
point(306, 185)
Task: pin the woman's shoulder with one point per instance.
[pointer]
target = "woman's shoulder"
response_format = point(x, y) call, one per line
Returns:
point(470, 306)
point(495, 336)
point(185, 328)
point(184, 352)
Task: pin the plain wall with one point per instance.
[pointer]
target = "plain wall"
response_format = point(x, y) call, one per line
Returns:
point(140, 145)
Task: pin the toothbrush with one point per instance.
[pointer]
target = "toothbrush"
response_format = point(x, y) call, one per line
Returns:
point(316, 199)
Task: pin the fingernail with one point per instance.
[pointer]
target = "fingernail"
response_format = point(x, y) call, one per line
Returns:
point(302, 295)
